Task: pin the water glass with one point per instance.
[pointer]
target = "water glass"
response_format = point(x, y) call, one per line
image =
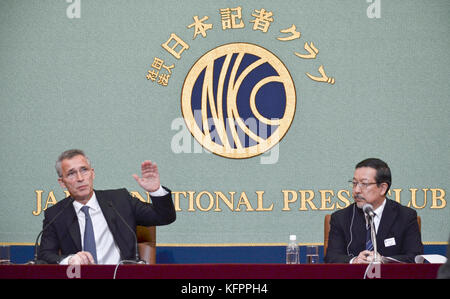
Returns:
point(312, 254)
point(5, 255)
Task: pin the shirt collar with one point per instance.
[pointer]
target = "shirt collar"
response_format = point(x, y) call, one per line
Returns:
point(379, 211)
point(92, 204)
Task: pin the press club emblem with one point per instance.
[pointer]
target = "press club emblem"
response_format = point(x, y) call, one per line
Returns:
point(238, 100)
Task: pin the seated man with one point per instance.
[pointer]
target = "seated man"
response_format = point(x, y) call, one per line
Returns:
point(397, 230)
point(86, 228)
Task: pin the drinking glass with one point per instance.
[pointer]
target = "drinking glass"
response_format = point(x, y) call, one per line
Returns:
point(312, 254)
point(5, 255)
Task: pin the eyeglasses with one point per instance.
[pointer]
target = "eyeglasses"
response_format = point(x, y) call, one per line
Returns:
point(73, 174)
point(362, 185)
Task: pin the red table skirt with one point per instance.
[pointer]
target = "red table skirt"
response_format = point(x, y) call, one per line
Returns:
point(222, 271)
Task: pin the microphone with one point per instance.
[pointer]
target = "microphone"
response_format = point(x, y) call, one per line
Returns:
point(368, 210)
point(137, 260)
point(35, 260)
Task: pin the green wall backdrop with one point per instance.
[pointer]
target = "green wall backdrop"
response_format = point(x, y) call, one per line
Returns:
point(73, 75)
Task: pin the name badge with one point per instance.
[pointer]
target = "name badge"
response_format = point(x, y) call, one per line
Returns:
point(389, 242)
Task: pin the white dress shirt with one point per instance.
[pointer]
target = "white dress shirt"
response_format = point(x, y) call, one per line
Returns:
point(378, 213)
point(107, 250)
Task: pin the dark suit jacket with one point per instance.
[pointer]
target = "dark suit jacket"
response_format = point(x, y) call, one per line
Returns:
point(444, 270)
point(63, 237)
point(397, 222)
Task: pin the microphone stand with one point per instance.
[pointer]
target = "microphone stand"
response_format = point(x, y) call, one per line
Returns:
point(376, 258)
point(136, 260)
point(35, 260)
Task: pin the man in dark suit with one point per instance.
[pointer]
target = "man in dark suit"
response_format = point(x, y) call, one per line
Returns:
point(87, 227)
point(397, 230)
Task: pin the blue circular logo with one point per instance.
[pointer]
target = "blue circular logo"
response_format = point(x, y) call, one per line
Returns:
point(238, 100)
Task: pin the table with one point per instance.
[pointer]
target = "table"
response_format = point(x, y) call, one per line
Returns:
point(220, 271)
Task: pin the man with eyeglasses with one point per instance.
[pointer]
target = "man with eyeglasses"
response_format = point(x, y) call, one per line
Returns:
point(397, 231)
point(95, 226)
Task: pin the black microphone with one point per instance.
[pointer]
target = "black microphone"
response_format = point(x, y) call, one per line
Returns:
point(368, 210)
point(35, 260)
point(137, 260)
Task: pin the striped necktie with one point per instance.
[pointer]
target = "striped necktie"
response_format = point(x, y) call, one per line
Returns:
point(369, 244)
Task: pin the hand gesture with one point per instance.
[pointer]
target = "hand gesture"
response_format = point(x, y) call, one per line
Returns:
point(365, 257)
point(82, 258)
point(150, 176)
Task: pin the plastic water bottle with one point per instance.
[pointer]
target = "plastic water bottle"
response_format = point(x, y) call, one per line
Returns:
point(292, 251)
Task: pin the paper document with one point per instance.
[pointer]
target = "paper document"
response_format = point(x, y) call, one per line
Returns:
point(390, 260)
point(430, 258)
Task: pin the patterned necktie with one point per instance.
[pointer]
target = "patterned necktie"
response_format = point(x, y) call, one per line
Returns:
point(89, 239)
point(369, 244)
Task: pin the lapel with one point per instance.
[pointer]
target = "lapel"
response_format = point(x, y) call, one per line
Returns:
point(108, 212)
point(387, 220)
point(71, 221)
point(110, 217)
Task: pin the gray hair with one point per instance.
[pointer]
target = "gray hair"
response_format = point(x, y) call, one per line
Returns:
point(69, 154)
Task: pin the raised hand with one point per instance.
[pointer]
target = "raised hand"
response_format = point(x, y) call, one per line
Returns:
point(149, 179)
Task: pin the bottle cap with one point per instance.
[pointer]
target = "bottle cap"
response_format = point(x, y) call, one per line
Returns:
point(292, 237)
